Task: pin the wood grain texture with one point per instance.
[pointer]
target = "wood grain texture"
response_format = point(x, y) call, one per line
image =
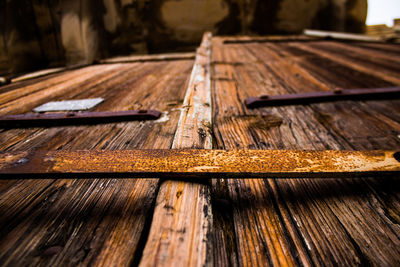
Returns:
point(182, 220)
point(302, 221)
point(261, 222)
point(96, 222)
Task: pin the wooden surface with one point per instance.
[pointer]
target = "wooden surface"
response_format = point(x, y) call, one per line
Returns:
point(305, 222)
point(257, 222)
point(182, 220)
point(88, 222)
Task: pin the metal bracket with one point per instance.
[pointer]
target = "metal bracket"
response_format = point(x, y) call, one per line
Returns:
point(199, 164)
point(323, 96)
point(75, 118)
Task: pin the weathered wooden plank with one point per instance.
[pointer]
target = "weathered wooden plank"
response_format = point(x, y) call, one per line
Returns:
point(390, 49)
point(97, 221)
point(355, 127)
point(37, 74)
point(294, 222)
point(309, 64)
point(386, 64)
point(126, 59)
point(360, 65)
point(369, 53)
point(182, 220)
point(58, 86)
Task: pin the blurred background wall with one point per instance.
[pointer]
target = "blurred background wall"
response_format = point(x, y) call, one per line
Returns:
point(45, 33)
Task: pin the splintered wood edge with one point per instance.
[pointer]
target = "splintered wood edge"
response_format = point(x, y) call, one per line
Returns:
point(194, 126)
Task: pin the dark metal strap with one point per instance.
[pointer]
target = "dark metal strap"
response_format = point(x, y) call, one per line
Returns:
point(323, 96)
point(75, 118)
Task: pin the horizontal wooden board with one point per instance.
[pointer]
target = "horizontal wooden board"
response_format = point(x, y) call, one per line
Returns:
point(182, 221)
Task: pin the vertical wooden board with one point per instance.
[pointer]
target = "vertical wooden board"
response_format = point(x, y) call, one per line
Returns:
point(182, 221)
point(97, 221)
point(307, 217)
point(258, 231)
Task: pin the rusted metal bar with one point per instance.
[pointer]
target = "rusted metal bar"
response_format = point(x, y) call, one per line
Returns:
point(75, 118)
point(199, 163)
point(323, 96)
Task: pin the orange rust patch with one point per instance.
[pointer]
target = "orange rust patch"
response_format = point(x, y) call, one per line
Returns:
point(192, 162)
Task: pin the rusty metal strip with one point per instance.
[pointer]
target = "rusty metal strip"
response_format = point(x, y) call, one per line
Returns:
point(75, 118)
point(323, 96)
point(199, 163)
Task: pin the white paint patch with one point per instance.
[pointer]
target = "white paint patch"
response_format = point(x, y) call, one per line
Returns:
point(199, 79)
point(69, 105)
point(164, 118)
